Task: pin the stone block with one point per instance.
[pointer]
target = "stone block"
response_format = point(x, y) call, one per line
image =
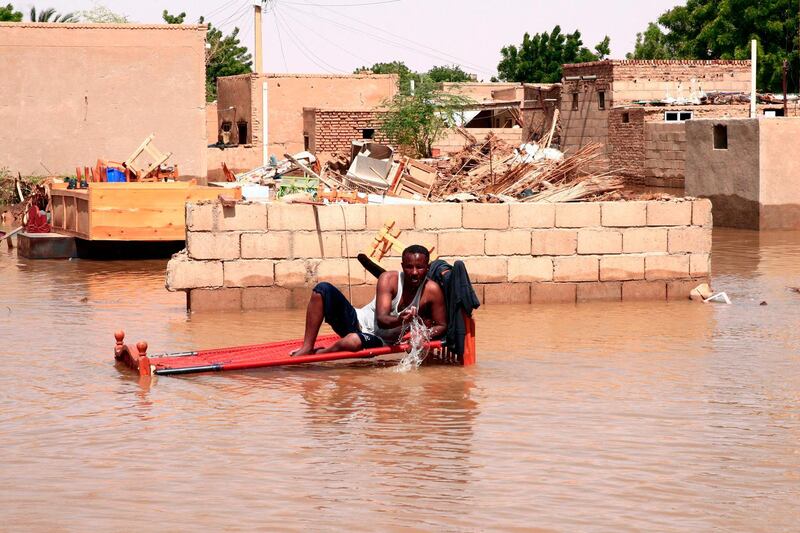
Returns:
point(532, 215)
point(554, 242)
point(680, 289)
point(507, 293)
point(428, 239)
point(699, 265)
point(701, 213)
point(527, 268)
point(299, 297)
point(644, 290)
point(484, 216)
point(623, 214)
point(185, 274)
point(219, 246)
point(342, 217)
point(462, 243)
point(294, 217)
point(200, 300)
point(437, 216)
point(249, 273)
point(362, 294)
point(691, 239)
point(599, 241)
point(640, 240)
point(666, 267)
point(545, 293)
point(606, 291)
point(486, 269)
point(200, 216)
point(577, 215)
point(243, 216)
point(508, 242)
point(266, 298)
point(670, 213)
point(267, 245)
point(378, 215)
point(313, 244)
point(576, 268)
point(621, 267)
point(295, 273)
point(340, 272)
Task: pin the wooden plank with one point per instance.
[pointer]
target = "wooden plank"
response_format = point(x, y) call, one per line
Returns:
point(114, 233)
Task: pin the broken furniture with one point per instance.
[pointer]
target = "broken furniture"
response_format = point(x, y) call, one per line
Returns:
point(416, 181)
point(384, 242)
point(146, 163)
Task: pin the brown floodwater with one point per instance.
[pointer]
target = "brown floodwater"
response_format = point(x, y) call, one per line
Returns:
point(616, 416)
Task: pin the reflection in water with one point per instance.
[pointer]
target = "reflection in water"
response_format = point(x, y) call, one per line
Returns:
point(658, 416)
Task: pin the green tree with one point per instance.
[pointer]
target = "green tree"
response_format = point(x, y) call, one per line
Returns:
point(102, 15)
point(50, 15)
point(449, 74)
point(405, 74)
point(722, 29)
point(225, 56)
point(651, 44)
point(539, 58)
point(417, 121)
point(7, 14)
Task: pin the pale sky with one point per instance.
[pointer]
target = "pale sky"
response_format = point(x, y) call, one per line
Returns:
point(337, 36)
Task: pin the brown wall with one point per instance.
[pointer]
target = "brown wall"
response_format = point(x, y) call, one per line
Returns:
point(588, 123)
point(665, 154)
point(626, 143)
point(331, 131)
point(212, 127)
point(730, 178)
point(779, 186)
point(481, 92)
point(235, 104)
point(73, 93)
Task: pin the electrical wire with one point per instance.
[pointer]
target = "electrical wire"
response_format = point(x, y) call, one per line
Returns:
point(280, 41)
point(343, 5)
point(222, 7)
point(237, 15)
point(319, 62)
point(318, 34)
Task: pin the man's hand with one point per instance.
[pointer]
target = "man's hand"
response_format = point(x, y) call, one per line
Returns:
point(408, 313)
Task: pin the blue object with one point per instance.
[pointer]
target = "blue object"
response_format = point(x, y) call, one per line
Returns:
point(114, 175)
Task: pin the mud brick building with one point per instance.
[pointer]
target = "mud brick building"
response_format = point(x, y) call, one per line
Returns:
point(639, 108)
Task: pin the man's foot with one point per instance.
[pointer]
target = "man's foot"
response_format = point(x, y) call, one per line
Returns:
point(303, 350)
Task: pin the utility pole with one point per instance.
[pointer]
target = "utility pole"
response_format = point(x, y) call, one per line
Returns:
point(785, 106)
point(258, 67)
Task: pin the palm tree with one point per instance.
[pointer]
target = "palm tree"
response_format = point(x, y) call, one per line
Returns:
point(50, 15)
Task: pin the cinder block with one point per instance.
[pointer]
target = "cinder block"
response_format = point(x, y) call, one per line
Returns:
point(266, 298)
point(554, 242)
point(621, 267)
point(291, 217)
point(185, 274)
point(341, 272)
point(484, 216)
point(670, 213)
point(644, 290)
point(532, 215)
point(623, 214)
point(437, 216)
point(680, 289)
point(606, 291)
point(526, 269)
point(218, 246)
point(295, 273)
point(462, 243)
point(699, 265)
point(639, 240)
point(576, 268)
point(200, 216)
point(507, 293)
point(267, 245)
point(378, 215)
point(666, 267)
point(599, 241)
point(246, 216)
point(577, 215)
point(361, 294)
point(509, 242)
point(691, 239)
point(299, 297)
point(428, 239)
point(487, 269)
point(545, 293)
point(341, 217)
point(313, 244)
point(249, 273)
point(204, 300)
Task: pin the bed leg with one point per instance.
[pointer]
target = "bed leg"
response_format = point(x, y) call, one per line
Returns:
point(469, 356)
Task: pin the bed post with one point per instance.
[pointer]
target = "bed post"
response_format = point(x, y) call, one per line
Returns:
point(469, 356)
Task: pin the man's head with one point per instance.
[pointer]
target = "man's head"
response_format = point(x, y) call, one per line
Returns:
point(415, 264)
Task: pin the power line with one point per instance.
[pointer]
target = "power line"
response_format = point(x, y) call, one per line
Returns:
point(308, 53)
point(362, 58)
point(280, 41)
point(342, 5)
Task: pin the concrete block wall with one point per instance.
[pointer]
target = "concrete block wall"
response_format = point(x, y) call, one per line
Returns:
point(257, 256)
point(665, 154)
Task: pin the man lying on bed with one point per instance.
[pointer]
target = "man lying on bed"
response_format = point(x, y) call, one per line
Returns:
point(399, 297)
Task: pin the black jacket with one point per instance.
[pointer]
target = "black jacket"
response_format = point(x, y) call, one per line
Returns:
point(458, 296)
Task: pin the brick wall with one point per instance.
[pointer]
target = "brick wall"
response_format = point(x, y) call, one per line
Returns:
point(626, 143)
point(588, 123)
point(665, 154)
point(269, 256)
point(333, 131)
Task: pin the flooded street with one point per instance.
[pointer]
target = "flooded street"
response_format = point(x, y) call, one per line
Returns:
point(611, 416)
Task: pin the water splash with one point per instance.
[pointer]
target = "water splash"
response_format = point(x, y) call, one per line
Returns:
point(419, 337)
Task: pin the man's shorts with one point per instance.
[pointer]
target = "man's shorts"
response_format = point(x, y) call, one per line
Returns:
point(341, 315)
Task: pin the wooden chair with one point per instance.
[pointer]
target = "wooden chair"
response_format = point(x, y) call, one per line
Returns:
point(144, 171)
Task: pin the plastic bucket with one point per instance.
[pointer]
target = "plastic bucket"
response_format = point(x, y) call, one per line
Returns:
point(114, 175)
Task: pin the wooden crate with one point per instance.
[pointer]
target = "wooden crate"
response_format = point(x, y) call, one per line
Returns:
point(145, 211)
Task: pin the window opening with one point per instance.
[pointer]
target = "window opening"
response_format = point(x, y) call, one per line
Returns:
point(368, 133)
point(626, 118)
point(601, 99)
point(574, 101)
point(242, 130)
point(720, 137)
point(677, 116)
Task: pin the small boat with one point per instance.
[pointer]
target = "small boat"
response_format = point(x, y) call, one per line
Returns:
point(272, 354)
